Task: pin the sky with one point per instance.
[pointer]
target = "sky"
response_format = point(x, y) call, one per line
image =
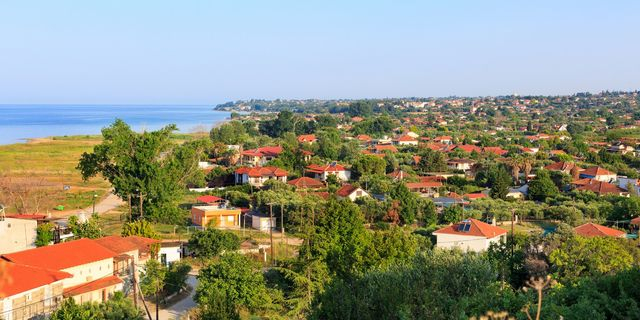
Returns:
point(209, 52)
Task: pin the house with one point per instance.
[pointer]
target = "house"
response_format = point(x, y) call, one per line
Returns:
point(321, 172)
point(28, 292)
point(257, 176)
point(599, 187)
point(564, 166)
point(476, 196)
point(363, 139)
point(495, 150)
point(307, 138)
point(306, 183)
point(351, 192)
point(406, 140)
point(262, 221)
point(469, 235)
point(398, 175)
point(468, 148)
point(219, 216)
point(621, 149)
point(17, 234)
point(381, 148)
point(91, 267)
point(599, 174)
point(425, 189)
point(208, 199)
point(259, 156)
point(169, 252)
point(518, 192)
point(460, 164)
point(596, 230)
point(443, 139)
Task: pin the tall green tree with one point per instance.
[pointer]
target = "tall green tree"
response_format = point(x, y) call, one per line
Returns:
point(145, 165)
point(408, 202)
point(542, 187)
point(366, 165)
point(211, 242)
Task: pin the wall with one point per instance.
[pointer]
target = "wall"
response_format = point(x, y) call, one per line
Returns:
point(17, 235)
point(88, 272)
point(471, 243)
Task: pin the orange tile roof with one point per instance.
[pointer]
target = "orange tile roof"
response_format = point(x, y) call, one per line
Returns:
point(326, 168)
point(495, 150)
point(363, 137)
point(406, 137)
point(117, 244)
point(385, 147)
point(477, 229)
point(62, 255)
point(306, 182)
point(208, 199)
point(596, 171)
point(92, 286)
point(596, 230)
point(635, 221)
point(306, 138)
point(423, 184)
point(345, 190)
point(17, 278)
point(562, 166)
point(262, 171)
point(469, 148)
point(600, 187)
point(264, 151)
point(476, 196)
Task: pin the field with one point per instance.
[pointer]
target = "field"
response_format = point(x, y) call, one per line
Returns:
point(46, 165)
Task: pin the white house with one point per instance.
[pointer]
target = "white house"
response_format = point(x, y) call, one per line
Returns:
point(17, 234)
point(350, 192)
point(599, 174)
point(321, 172)
point(262, 222)
point(257, 176)
point(170, 252)
point(469, 235)
point(460, 164)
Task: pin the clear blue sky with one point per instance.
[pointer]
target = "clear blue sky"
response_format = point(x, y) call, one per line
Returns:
point(201, 52)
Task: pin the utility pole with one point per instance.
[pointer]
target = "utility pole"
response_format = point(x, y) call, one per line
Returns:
point(130, 208)
point(141, 213)
point(513, 235)
point(271, 233)
point(157, 302)
point(282, 236)
point(94, 203)
point(135, 281)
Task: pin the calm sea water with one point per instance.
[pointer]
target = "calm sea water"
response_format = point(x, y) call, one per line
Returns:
point(21, 122)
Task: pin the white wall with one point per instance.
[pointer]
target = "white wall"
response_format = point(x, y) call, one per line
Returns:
point(173, 254)
point(17, 235)
point(470, 243)
point(88, 272)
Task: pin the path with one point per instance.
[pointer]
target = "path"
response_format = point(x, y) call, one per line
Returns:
point(110, 202)
point(179, 308)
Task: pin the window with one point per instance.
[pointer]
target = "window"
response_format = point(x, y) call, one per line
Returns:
point(163, 259)
point(230, 218)
point(27, 297)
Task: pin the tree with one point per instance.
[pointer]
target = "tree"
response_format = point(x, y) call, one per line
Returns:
point(44, 234)
point(88, 229)
point(408, 202)
point(145, 166)
point(366, 165)
point(432, 161)
point(360, 109)
point(211, 242)
point(116, 308)
point(542, 187)
point(580, 256)
point(176, 277)
point(232, 132)
point(140, 228)
point(153, 279)
point(453, 214)
point(234, 277)
point(329, 144)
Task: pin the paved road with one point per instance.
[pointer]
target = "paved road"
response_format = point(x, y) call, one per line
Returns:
point(179, 308)
point(110, 202)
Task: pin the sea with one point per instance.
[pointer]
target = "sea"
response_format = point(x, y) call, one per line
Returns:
point(18, 123)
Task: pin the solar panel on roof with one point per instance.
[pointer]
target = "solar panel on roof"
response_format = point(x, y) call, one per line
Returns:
point(467, 227)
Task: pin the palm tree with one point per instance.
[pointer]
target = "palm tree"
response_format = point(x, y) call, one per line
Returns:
point(515, 164)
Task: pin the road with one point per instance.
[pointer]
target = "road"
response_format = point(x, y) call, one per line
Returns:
point(179, 308)
point(110, 202)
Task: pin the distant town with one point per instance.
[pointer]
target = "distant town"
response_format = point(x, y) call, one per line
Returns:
point(508, 207)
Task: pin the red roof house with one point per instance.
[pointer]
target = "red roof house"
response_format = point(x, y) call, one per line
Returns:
point(596, 230)
point(306, 182)
point(470, 234)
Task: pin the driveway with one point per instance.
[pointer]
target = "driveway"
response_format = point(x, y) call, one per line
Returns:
point(179, 308)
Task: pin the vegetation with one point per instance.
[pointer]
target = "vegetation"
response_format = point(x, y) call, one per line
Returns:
point(117, 308)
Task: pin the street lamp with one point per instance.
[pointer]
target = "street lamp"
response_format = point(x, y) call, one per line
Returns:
point(95, 196)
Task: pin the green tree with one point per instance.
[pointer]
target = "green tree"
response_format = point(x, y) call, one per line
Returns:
point(360, 108)
point(116, 308)
point(542, 187)
point(366, 165)
point(88, 229)
point(329, 144)
point(232, 132)
point(153, 280)
point(211, 242)
point(453, 214)
point(408, 202)
point(432, 161)
point(147, 165)
point(140, 228)
point(176, 277)
point(44, 234)
point(235, 277)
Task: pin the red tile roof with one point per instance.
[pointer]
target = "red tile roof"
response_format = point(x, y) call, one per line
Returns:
point(596, 171)
point(385, 147)
point(635, 221)
point(562, 166)
point(477, 229)
point(406, 137)
point(599, 187)
point(62, 255)
point(325, 168)
point(264, 151)
point(91, 286)
point(17, 278)
point(117, 244)
point(495, 150)
point(262, 171)
point(398, 175)
point(363, 138)
point(425, 184)
point(306, 182)
point(306, 138)
point(473, 196)
point(27, 216)
point(208, 199)
point(596, 230)
point(469, 148)
point(345, 190)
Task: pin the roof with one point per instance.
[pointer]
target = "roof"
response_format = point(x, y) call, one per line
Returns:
point(117, 244)
point(562, 166)
point(264, 151)
point(477, 195)
point(495, 150)
point(363, 137)
point(423, 184)
point(17, 278)
point(332, 167)
point(306, 138)
point(208, 199)
point(346, 190)
point(262, 171)
point(477, 229)
point(385, 147)
point(27, 216)
point(596, 171)
point(599, 187)
point(596, 230)
point(469, 148)
point(306, 182)
point(62, 255)
point(92, 286)
point(397, 175)
point(635, 221)
point(406, 137)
